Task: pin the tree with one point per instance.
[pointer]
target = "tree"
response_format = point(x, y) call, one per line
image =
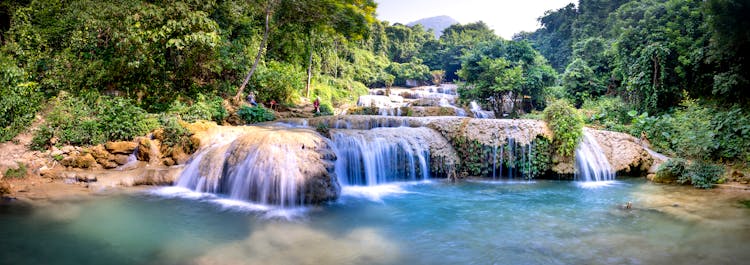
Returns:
point(502, 69)
point(729, 49)
point(580, 82)
point(456, 41)
point(350, 18)
point(261, 48)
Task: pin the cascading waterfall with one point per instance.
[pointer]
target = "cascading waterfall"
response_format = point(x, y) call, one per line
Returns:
point(269, 166)
point(444, 103)
point(382, 155)
point(591, 163)
point(389, 111)
point(478, 112)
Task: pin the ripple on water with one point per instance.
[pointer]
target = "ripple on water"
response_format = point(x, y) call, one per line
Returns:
point(267, 211)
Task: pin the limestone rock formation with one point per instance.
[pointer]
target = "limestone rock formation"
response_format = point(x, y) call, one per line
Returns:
point(623, 151)
point(122, 147)
point(264, 164)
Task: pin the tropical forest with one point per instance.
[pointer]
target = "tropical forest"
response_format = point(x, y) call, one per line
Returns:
point(374, 132)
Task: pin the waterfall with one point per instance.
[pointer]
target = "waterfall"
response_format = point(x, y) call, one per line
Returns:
point(286, 167)
point(389, 111)
point(444, 103)
point(382, 155)
point(478, 112)
point(591, 163)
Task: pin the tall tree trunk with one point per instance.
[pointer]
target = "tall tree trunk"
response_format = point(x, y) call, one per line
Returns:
point(309, 65)
point(261, 48)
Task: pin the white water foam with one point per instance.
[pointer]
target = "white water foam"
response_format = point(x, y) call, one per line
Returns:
point(596, 184)
point(267, 211)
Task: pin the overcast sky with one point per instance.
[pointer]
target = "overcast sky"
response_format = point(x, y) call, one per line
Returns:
point(506, 17)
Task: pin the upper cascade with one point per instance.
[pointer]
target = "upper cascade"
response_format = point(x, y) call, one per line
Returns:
point(591, 162)
point(479, 113)
point(383, 155)
point(267, 165)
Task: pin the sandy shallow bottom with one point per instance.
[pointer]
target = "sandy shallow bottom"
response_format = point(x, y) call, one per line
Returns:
point(473, 222)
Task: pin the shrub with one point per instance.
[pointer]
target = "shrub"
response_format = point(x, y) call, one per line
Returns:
point(610, 113)
point(278, 81)
point(732, 133)
point(671, 170)
point(204, 108)
point(336, 91)
point(698, 131)
point(175, 134)
point(255, 114)
point(40, 141)
point(566, 125)
point(17, 173)
point(325, 110)
point(702, 174)
point(19, 100)
point(121, 119)
point(92, 119)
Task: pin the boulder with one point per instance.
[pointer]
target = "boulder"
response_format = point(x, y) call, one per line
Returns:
point(5, 188)
point(123, 147)
point(145, 150)
point(121, 159)
point(79, 161)
point(284, 162)
point(623, 151)
point(157, 177)
point(104, 158)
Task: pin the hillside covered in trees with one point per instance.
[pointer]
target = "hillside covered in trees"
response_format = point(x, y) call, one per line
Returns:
point(673, 72)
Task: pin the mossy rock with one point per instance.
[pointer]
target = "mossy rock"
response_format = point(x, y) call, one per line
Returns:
point(5, 188)
point(79, 161)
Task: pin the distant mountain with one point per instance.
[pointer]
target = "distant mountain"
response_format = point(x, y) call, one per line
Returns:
point(437, 24)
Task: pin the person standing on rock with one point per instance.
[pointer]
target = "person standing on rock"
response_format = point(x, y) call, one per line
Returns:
point(316, 104)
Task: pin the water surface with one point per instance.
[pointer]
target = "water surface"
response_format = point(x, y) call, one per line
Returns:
point(473, 222)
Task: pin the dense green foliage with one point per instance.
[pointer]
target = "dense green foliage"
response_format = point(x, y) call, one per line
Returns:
point(173, 134)
point(671, 72)
point(671, 170)
point(609, 113)
point(92, 120)
point(19, 101)
point(649, 51)
point(255, 114)
point(500, 69)
point(699, 132)
point(699, 174)
point(566, 125)
point(204, 108)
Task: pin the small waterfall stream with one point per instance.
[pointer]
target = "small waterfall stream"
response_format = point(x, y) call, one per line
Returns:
point(591, 164)
point(382, 155)
point(478, 112)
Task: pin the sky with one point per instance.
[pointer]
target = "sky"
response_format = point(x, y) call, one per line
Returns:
point(506, 17)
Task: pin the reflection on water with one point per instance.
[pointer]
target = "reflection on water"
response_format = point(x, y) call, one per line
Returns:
point(539, 222)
